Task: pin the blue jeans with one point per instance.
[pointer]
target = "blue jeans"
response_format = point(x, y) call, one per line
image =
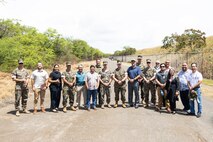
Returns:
point(199, 102)
point(92, 93)
point(133, 87)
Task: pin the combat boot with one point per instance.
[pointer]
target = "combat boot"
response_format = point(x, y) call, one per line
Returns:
point(17, 113)
point(109, 106)
point(72, 108)
point(102, 106)
point(26, 111)
point(124, 105)
point(65, 109)
point(116, 105)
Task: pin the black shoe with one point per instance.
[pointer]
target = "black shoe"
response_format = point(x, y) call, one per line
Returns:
point(130, 105)
point(198, 115)
point(192, 114)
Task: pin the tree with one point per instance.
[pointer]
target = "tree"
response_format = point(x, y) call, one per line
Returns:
point(191, 38)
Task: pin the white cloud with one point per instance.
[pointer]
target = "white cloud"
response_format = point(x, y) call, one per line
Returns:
point(111, 24)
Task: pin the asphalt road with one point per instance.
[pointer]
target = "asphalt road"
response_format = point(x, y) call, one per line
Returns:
point(110, 124)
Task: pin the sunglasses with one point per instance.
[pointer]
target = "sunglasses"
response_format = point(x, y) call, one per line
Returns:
point(148, 62)
point(162, 66)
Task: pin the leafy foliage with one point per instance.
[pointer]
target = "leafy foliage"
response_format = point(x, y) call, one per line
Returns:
point(127, 50)
point(19, 41)
point(191, 38)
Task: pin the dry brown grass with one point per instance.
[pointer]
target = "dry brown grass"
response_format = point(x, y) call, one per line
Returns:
point(6, 85)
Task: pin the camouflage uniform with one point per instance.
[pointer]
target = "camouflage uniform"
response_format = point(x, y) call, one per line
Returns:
point(21, 90)
point(141, 84)
point(119, 75)
point(148, 73)
point(105, 77)
point(68, 92)
point(97, 70)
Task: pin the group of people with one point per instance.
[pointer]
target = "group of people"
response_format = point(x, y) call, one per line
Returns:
point(140, 80)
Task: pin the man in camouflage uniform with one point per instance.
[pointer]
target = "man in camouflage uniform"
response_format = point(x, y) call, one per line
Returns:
point(105, 84)
point(149, 85)
point(21, 76)
point(140, 80)
point(69, 79)
point(120, 76)
point(97, 70)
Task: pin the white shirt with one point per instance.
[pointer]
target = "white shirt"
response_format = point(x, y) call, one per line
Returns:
point(194, 78)
point(183, 75)
point(39, 77)
point(92, 80)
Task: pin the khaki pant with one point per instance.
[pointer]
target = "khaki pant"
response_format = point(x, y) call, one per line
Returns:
point(160, 97)
point(81, 90)
point(39, 93)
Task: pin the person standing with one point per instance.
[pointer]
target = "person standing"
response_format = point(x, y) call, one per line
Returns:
point(161, 78)
point(134, 73)
point(55, 88)
point(80, 86)
point(194, 82)
point(92, 84)
point(184, 89)
point(120, 76)
point(69, 79)
point(149, 85)
point(140, 79)
point(167, 64)
point(157, 66)
point(105, 84)
point(97, 70)
point(172, 87)
point(21, 76)
point(39, 82)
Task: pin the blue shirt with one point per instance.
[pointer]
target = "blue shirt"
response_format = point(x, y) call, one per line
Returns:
point(133, 72)
point(183, 76)
point(80, 78)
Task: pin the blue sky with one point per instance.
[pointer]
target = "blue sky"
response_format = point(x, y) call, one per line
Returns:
point(110, 25)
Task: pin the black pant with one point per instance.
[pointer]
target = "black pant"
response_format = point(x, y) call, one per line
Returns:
point(55, 96)
point(184, 95)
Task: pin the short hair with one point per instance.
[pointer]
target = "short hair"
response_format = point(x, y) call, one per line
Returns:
point(92, 66)
point(194, 63)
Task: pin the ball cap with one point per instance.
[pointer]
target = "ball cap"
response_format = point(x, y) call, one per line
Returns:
point(133, 60)
point(68, 63)
point(80, 66)
point(157, 61)
point(140, 57)
point(148, 60)
point(118, 62)
point(105, 62)
point(20, 61)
